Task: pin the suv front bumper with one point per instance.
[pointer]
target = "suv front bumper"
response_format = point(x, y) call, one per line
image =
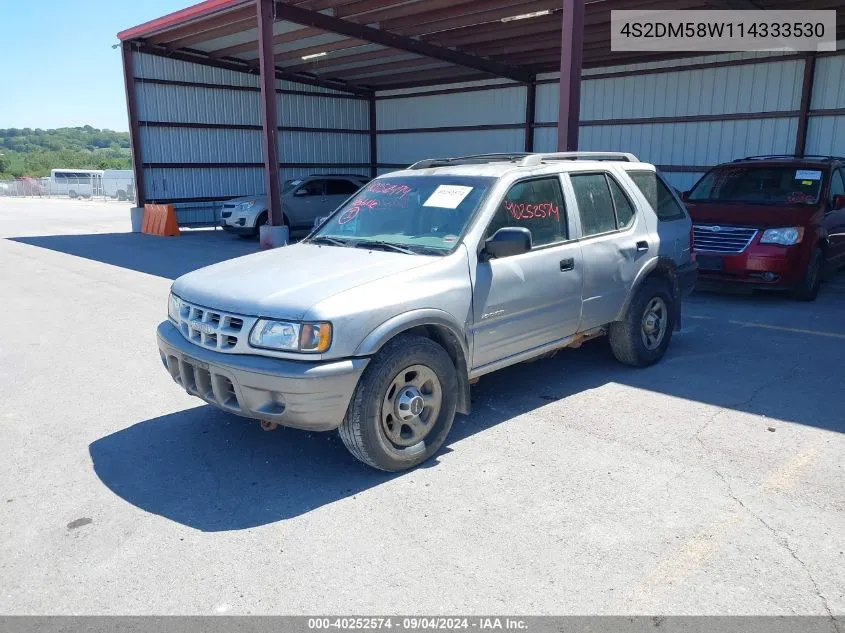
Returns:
point(306, 395)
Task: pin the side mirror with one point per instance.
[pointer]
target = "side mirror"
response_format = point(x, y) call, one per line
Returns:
point(838, 203)
point(684, 195)
point(507, 241)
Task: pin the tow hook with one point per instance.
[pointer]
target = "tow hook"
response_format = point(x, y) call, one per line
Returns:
point(267, 425)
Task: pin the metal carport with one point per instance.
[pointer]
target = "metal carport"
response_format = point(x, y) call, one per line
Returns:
point(381, 76)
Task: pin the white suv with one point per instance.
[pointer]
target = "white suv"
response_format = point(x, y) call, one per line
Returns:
point(303, 202)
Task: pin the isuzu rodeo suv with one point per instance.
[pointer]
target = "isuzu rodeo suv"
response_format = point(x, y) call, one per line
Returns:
point(428, 278)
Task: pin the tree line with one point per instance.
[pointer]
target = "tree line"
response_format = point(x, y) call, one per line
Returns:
point(34, 152)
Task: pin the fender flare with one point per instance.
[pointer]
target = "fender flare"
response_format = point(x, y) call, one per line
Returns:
point(398, 324)
point(666, 266)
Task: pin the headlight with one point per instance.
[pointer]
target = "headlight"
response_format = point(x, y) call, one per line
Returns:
point(245, 206)
point(174, 307)
point(290, 336)
point(784, 237)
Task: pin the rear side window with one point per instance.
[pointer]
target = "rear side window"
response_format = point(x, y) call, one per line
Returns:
point(596, 204)
point(624, 208)
point(341, 187)
point(658, 195)
point(536, 205)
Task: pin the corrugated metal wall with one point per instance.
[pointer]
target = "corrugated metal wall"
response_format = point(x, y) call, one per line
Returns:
point(655, 115)
point(219, 123)
point(412, 127)
point(826, 132)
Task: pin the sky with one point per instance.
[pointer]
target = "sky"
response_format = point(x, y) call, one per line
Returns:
point(58, 65)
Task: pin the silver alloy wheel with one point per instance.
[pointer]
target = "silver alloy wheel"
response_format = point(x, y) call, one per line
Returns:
point(411, 405)
point(655, 320)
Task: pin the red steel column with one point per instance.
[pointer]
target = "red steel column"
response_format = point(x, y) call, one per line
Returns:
point(571, 59)
point(269, 118)
point(806, 99)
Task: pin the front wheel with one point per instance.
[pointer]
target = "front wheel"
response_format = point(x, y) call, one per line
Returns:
point(808, 288)
point(642, 337)
point(403, 406)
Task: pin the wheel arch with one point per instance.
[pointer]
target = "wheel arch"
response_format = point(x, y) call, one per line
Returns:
point(658, 268)
point(437, 325)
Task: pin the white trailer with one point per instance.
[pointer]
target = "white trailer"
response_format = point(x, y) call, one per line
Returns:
point(76, 183)
point(119, 184)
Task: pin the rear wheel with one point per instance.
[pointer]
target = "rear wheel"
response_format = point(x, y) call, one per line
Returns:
point(403, 406)
point(642, 337)
point(121, 195)
point(808, 288)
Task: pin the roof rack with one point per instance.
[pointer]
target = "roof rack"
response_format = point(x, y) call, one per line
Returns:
point(818, 157)
point(524, 159)
point(531, 160)
point(467, 160)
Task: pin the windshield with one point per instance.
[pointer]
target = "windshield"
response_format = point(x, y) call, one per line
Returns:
point(763, 184)
point(425, 212)
point(288, 185)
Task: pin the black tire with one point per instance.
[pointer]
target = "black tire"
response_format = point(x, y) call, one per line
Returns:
point(627, 336)
point(73, 195)
point(363, 430)
point(260, 221)
point(808, 288)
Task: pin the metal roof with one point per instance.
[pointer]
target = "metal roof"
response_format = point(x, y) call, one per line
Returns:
point(389, 44)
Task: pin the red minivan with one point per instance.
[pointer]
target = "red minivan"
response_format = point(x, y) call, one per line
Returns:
point(771, 222)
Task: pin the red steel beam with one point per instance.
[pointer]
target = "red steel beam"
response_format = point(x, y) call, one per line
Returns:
point(571, 58)
point(320, 48)
point(315, 65)
point(206, 24)
point(238, 26)
point(449, 20)
point(365, 71)
point(392, 40)
point(282, 38)
point(269, 116)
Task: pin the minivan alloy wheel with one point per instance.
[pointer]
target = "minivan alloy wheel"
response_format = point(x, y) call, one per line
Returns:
point(654, 323)
point(411, 405)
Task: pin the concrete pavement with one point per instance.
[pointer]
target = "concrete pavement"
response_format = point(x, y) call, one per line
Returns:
point(708, 484)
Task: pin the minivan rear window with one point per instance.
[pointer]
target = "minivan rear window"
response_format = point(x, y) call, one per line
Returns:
point(759, 184)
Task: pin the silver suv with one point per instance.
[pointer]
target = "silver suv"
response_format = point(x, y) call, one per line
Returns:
point(428, 278)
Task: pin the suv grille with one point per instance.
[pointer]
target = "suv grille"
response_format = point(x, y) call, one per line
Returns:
point(210, 328)
point(722, 239)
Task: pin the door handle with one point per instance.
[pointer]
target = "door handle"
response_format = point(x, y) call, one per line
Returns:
point(567, 264)
point(642, 246)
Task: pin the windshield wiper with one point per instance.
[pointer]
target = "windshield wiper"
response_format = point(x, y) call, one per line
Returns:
point(325, 239)
point(387, 245)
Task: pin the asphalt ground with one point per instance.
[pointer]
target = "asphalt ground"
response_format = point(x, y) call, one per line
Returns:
point(711, 483)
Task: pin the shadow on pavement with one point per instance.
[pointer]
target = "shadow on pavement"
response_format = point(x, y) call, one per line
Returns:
point(213, 471)
point(168, 257)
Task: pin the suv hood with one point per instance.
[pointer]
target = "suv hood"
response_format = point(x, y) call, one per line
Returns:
point(260, 198)
point(285, 282)
point(756, 215)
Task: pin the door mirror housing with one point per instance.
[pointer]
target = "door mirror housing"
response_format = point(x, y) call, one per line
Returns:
point(838, 203)
point(684, 195)
point(507, 241)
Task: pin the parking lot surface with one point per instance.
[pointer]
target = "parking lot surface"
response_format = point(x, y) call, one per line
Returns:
point(711, 483)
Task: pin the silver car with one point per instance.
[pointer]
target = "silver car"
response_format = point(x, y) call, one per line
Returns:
point(304, 201)
point(429, 278)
